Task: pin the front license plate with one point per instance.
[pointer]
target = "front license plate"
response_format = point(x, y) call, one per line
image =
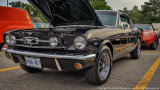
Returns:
point(33, 62)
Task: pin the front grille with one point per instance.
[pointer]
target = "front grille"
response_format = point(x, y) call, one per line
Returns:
point(40, 43)
point(43, 39)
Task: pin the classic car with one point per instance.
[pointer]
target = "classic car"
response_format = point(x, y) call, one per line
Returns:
point(150, 35)
point(82, 39)
point(11, 19)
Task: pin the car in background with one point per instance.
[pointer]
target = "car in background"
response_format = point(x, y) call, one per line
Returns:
point(150, 35)
point(12, 19)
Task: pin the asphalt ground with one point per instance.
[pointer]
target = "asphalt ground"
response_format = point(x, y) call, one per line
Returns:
point(126, 74)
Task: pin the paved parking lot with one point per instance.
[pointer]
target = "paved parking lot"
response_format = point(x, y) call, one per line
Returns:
point(126, 74)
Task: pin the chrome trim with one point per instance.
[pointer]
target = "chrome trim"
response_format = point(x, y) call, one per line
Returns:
point(58, 65)
point(47, 41)
point(46, 47)
point(50, 55)
point(19, 39)
point(37, 40)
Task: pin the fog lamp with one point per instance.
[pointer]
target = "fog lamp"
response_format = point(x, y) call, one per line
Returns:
point(78, 65)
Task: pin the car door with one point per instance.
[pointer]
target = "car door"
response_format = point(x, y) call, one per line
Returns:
point(128, 35)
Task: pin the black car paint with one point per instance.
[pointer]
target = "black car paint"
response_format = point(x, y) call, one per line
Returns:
point(120, 41)
point(67, 12)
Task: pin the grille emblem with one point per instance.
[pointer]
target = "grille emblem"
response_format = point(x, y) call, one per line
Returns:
point(30, 40)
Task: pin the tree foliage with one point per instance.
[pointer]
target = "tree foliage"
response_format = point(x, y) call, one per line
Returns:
point(150, 12)
point(134, 14)
point(29, 8)
point(99, 5)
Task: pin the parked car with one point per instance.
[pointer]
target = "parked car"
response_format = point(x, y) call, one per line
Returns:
point(12, 19)
point(82, 39)
point(150, 36)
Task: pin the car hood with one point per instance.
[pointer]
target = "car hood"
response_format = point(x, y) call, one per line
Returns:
point(148, 34)
point(67, 12)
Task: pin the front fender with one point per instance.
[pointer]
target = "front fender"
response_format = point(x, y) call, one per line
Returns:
point(103, 46)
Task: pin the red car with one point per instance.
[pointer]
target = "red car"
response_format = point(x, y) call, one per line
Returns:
point(150, 36)
point(11, 19)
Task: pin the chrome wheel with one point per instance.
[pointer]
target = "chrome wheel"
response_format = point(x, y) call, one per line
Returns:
point(99, 73)
point(139, 49)
point(104, 66)
point(135, 54)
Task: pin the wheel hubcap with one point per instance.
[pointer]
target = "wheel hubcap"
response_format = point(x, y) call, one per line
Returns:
point(139, 49)
point(104, 66)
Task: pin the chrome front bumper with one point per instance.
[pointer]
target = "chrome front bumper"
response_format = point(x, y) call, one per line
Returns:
point(49, 55)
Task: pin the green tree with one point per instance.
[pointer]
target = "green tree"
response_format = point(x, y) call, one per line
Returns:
point(135, 8)
point(17, 4)
point(29, 8)
point(99, 5)
point(151, 12)
point(125, 10)
point(134, 14)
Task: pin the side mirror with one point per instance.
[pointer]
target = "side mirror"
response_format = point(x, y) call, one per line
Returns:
point(125, 26)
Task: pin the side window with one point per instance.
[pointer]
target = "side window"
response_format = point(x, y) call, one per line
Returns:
point(124, 20)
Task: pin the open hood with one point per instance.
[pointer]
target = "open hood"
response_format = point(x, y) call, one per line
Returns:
point(67, 12)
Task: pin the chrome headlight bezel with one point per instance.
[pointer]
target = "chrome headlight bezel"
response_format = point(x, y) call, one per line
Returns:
point(54, 41)
point(7, 39)
point(80, 42)
point(12, 40)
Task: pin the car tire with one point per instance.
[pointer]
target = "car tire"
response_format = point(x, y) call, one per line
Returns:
point(1, 46)
point(135, 54)
point(154, 45)
point(29, 69)
point(100, 71)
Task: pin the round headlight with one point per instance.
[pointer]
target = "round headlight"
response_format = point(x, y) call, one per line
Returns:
point(12, 40)
point(80, 42)
point(7, 39)
point(53, 41)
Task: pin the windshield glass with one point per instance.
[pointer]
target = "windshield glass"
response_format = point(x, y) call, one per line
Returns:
point(145, 27)
point(107, 18)
point(42, 25)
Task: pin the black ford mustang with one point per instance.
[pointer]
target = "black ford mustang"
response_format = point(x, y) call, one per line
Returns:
point(81, 39)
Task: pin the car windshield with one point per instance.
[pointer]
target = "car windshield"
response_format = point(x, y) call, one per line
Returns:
point(107, 18)
point(145, 27)
point(42, 25)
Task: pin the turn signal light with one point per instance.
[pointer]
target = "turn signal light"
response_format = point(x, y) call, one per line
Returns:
point(78, 65)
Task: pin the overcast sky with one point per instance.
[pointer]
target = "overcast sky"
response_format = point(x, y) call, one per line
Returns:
point(115, 4)
point(120, 4)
